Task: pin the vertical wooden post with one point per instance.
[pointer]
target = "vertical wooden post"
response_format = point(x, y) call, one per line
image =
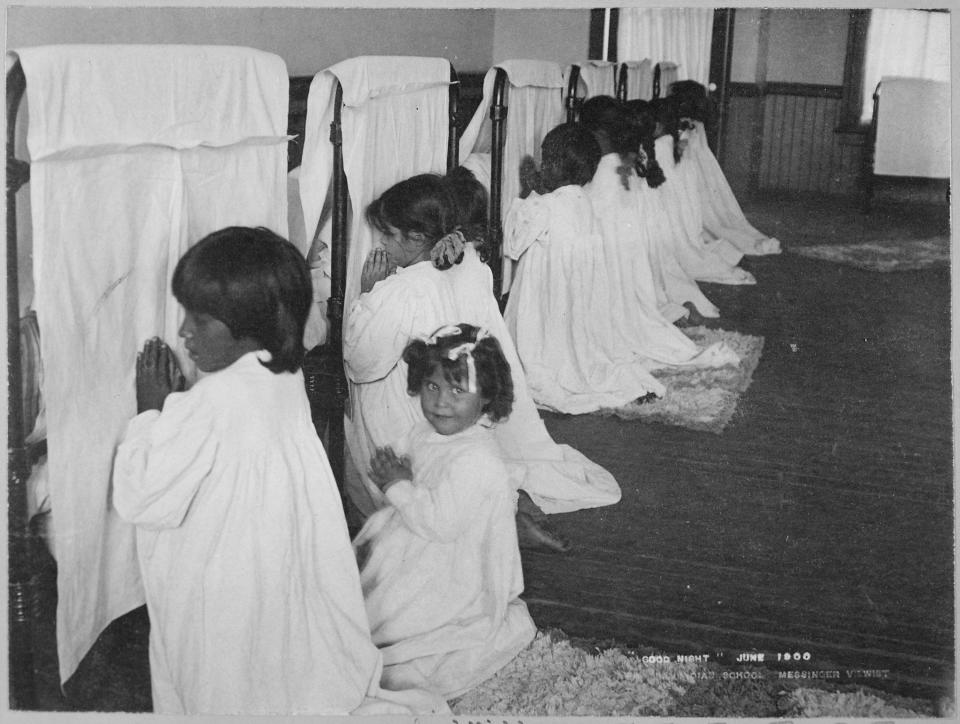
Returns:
point(20, 582)
point(721, 57)
point(763, 49)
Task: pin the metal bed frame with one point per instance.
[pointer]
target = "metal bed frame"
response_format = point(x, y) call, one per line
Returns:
point(573, 102)
point(323, 367)
point(20, 540)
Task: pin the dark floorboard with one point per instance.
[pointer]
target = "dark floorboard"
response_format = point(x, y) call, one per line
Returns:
point(820, 520)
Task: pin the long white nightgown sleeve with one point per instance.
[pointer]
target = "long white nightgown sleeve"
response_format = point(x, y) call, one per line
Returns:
point(527, 222)
point(162, 461)
point(380, 325)
point(442, 512)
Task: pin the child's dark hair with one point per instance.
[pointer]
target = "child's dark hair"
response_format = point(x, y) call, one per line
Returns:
point(667, 110)
point(607, 116)
point(645, 122)
point(693, 101)
point(493, 379)
point(421, 204)
point(472, 202)
point(569, 156)
point(425, 205)
point(255, 282)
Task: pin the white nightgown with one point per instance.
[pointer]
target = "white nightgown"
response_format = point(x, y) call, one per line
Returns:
point(560, 311)
point(636, 273)
point(416, 302)
point(715, 261)
point(441, 568)
point(722, 215)
point(251, 583)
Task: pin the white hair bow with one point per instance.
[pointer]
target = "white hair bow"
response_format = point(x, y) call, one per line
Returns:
point(463, 349)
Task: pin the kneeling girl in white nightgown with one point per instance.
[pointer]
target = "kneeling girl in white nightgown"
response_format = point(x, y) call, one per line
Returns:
point(722, 215)
point(251, 583)
point(638, 270)
point(425, 275)
point(564, 298)
point(440, 564)
point(703, 256)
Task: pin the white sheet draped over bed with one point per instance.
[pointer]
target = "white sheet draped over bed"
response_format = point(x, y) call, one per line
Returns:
point(597, 78)
point(639, 79)
point(136, 153)
point(395, 124)
point(913, 128)
point(534, 102)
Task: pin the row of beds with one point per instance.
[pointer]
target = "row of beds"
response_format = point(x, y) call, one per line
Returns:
point(323, 368)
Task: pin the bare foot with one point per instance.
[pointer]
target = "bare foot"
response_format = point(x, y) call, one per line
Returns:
point(695, 319)
point(538, 536)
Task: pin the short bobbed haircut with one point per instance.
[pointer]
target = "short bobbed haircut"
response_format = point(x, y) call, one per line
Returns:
point(255, 282)
point(570, 155)
point(421, 204)
point(494, 382)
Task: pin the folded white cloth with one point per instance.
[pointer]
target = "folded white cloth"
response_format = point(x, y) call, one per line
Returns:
point(107, 230)
point(639, 79)
point(534, 107)
point(395, 124)
point(180, 96)
point(597, 78)
point(668, 74)
point(913, 128)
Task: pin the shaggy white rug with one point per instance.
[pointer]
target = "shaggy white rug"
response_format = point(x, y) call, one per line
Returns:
point(553, 677)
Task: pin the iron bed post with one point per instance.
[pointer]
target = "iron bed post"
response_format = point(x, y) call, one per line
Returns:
point(656, 81)
point(338, 274)
point(622, 82)
point(573, 103)
point(21, 584)
point(453, 145)
point(498, 116)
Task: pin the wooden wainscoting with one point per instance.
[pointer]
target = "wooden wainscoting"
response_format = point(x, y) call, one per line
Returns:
point(783, 136)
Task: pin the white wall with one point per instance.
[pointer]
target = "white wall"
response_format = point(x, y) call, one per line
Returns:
point(308, 39)
point(743, 62)
point(805, 46)
point(541, 34)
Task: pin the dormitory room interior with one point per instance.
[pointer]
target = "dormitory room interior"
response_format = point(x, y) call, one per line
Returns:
point(725, 309)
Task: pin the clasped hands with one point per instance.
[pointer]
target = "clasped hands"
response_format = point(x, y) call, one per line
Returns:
point(386, 468)
point(158, 374)
point(376, 268)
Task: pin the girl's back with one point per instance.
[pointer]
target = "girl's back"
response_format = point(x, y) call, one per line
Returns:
point(242, 541)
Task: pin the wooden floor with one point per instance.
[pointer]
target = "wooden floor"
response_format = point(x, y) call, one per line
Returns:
point(820, 520)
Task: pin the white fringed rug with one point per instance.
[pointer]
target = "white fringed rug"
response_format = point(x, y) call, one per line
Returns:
point(552, 677)
point(700, 398)
point(884, 256)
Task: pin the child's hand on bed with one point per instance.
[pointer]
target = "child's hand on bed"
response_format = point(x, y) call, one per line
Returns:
point(158, 374)
point(375, 268)
point(386, 468)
